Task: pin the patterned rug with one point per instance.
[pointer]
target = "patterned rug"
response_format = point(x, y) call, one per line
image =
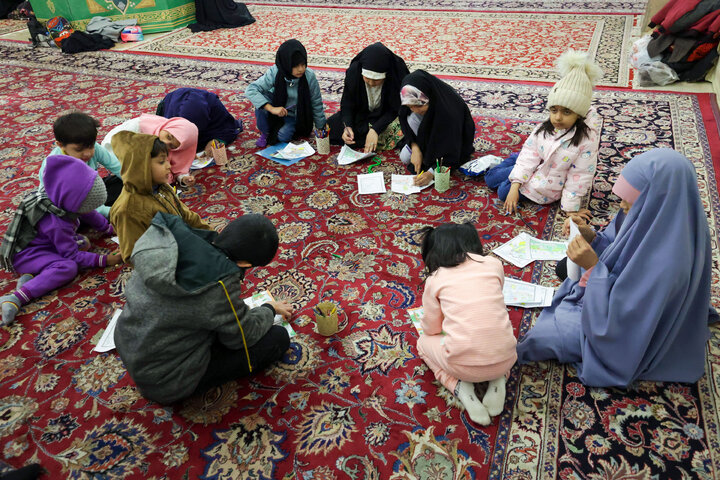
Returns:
point(508, 46)
point(10, 26)
point(361, 404)
point(590, 6)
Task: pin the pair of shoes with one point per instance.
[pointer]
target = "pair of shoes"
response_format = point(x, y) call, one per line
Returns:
point(262, 141)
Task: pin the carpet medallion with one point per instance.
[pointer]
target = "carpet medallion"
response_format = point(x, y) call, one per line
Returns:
point(511, 46)
point(361, 404)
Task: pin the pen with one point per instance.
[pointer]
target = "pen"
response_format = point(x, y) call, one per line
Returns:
point(335, 255)
point(421, 172)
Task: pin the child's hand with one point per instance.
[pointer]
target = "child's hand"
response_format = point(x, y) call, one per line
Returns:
point(580, 252)
point(583, 213)
point(284, 309)
point(113, 259)
point(512, 199)
point(186, 180)
point(279, 111)
point(348, 136)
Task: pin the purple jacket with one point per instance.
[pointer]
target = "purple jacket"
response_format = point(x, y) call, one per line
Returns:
point(67, 181)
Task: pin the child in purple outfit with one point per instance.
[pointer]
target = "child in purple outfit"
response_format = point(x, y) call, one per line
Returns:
point(41, 240)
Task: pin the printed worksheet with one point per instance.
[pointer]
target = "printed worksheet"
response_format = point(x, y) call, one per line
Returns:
point(347, 155)
point(524, 249)
point(293, 150)
point(524, 294)
point(416, 315)
point(371, 183)
point(405, 184)
point(266, 297)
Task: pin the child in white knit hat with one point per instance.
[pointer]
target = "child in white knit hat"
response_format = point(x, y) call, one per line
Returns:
point(557, 162)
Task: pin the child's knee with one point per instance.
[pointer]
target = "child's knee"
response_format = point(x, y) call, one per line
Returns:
point(285, 134)
point(66, 269)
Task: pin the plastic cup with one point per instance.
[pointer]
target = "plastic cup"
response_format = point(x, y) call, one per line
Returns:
point(219, 155)
point(442, 179)
point(326, 318)
point(323, 145)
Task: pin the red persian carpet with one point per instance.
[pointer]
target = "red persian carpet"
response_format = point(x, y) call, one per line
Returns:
point(359, 404)
point(501, 45)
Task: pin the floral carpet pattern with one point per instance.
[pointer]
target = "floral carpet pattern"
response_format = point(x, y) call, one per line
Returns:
point(10, 26)
point(360, 404)
point(587, 6)
point(509, 46)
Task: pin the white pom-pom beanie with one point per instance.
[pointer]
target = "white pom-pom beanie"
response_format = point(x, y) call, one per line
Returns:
point(574, 90)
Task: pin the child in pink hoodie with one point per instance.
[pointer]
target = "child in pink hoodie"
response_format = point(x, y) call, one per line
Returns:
point(467, 336)
point(558, 161)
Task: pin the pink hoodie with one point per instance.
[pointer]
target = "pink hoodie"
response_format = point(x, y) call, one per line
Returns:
point(184, 130)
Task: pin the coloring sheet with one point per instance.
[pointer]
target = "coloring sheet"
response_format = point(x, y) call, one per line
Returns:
point(371, 183)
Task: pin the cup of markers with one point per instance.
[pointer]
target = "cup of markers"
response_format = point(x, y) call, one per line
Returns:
point(322, 140)
point(442, 177)
point(219, 153)
point(326, 318)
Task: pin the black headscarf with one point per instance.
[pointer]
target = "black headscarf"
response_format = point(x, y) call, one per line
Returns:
point(447, 129)
point(289, 50)
point(252, 238)
point(214, 14)
point(354, 103)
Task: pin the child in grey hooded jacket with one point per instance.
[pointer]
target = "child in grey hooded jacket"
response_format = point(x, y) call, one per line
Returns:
point(184, 328)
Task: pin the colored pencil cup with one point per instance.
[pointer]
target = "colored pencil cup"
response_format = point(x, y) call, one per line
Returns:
point(220, 155)
point(442, 179)
point(326, 318)
point(323, 144)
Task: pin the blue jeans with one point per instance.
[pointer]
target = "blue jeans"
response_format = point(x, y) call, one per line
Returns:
point(285, 133)
point(497, 177)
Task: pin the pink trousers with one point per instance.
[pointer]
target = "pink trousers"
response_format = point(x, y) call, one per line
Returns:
point(433, 353)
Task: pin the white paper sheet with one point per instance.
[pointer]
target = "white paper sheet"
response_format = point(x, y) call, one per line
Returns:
point(371, 183)
point(524, 249)
point(528, 295)
point(115, 239)
point(416, 314)
point(107, 341)
point(347, 155)
point(200, 161)
point(573, 269)
point(266, 297)
point(292, 150)
point(405, 184)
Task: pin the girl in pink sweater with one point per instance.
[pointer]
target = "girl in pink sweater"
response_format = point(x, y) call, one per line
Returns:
point(467, 336)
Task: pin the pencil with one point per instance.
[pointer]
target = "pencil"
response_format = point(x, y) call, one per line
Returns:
point(421, 172)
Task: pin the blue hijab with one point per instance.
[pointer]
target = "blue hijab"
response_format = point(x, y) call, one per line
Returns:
point(645, 311)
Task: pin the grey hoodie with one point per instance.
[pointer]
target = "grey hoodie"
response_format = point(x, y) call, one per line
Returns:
point(176, 309)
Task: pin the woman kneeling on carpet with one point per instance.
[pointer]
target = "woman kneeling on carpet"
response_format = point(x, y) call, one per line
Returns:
point(467, 335)
point(641, 309)
point(184, 328)
point(436, 123)
point(287, 97)
point(206, 111)
point(368, 116)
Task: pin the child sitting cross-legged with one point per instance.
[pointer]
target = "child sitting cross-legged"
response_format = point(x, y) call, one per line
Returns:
point(185, 328)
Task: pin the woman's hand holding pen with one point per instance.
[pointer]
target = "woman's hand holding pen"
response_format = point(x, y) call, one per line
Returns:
point(348, 136)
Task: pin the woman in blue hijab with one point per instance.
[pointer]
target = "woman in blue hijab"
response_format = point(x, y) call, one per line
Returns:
point(642, 307)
